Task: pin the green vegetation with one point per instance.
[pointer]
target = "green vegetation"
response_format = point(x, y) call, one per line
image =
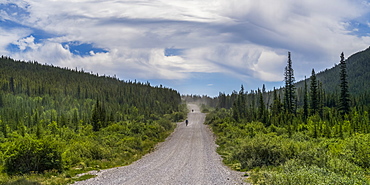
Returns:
point(56, 123)
point(273, 155)
point(315, 136)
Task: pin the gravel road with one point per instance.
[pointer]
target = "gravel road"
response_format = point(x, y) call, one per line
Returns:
point(188, 156)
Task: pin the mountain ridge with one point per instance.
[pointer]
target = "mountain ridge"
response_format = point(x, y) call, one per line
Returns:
point(358, 71)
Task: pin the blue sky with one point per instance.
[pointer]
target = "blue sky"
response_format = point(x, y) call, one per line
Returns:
point(193, 46)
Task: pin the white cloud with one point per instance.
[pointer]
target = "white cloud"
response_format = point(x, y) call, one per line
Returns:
point(9, 36)
point(27, 42)
point(269, 66)
point(244, 39)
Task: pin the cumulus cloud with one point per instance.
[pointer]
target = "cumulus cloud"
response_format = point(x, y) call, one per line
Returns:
point(8, 36)
point(27, 42)
point(244, 39)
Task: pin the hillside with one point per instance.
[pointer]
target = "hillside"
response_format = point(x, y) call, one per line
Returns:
point(33, 79)
point(259, 133)
point(358, 70)
point(66, 90)
point(61, 121)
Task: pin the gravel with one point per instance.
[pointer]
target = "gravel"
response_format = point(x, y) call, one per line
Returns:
point(188, 156)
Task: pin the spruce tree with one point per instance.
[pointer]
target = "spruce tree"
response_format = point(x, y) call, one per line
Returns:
point(344, 93)
point(305, 100)
point(290, 97)
point(98, 119)
point(320, 99)
point(261, 109)
point(276, 105)
point(313, 94)
point(239, 106)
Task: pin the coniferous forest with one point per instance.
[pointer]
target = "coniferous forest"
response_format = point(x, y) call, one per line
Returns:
point(315, 131)
point(58, 122)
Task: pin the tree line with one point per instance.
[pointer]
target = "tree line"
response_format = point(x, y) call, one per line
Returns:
point(303, 133)
point(56, 120)
point(296, 105)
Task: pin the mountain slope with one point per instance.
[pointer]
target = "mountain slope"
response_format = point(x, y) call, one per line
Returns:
point(64, 121)
point(358, 70)
point(64, 90)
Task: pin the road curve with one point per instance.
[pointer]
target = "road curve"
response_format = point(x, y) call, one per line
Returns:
point(188, 156)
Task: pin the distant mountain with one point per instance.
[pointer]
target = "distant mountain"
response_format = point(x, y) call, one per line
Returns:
point(358, 70)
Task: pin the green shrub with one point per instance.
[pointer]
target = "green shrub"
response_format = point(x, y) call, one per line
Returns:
point(166, 124)
point(358, 150)
point(84, 151)
point(28, 155)
point(265, 150)
point(178, 116)
point(294, 172)
point(22, 182)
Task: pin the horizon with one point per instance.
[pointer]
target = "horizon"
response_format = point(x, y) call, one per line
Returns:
point(198, 48)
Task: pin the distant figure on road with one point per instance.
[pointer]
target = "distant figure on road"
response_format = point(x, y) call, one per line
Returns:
point(192, 110)
point(186, 122)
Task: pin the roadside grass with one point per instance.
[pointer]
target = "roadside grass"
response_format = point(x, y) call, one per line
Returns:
point(69, 175)
point(270, 156)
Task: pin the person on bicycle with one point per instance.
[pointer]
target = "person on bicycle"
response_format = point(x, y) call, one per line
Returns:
point(186, 122)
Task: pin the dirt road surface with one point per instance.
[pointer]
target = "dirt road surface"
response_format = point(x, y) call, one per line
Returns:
point(188, 156)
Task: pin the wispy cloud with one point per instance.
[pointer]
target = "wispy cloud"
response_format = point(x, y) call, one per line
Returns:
point(243, 39)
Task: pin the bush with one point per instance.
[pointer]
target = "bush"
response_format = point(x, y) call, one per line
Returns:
point(84, 151)
point(265, 150)
point(166, 124)
point(178, 116)
point(28, 155)
point(22, 182)
point(294, 172)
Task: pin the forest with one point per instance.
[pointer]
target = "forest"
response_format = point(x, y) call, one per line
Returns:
point(315, 131)
point(58, 122)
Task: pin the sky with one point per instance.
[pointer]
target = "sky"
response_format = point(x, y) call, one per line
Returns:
point(198, 47)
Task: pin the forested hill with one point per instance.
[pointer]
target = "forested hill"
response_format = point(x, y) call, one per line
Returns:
point(358, 67)
point(64, 121)
point(63, 89)
point(300, 134)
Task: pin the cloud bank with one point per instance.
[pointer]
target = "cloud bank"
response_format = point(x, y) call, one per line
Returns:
point(245, 40)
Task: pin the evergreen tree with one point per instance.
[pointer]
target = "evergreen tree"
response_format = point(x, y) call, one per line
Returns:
point(305, 100)
point(344, 93)
point(239, 106)
point(1, 100)
point(276, 105)
point(98, 119)
point(290, 97)
point(261, 109)
point(313, 93)
point(11, 84)
point(320, 99)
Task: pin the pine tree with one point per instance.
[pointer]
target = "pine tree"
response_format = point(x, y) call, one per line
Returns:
point(261, 109)
point(305, 100)
point(239, 106)
point(98, 119)
point(313, 94)
point(276, 105)
point(320, 99)
point(344, 93)
point(290, 97)
point(1, 100)
point(11, 84)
